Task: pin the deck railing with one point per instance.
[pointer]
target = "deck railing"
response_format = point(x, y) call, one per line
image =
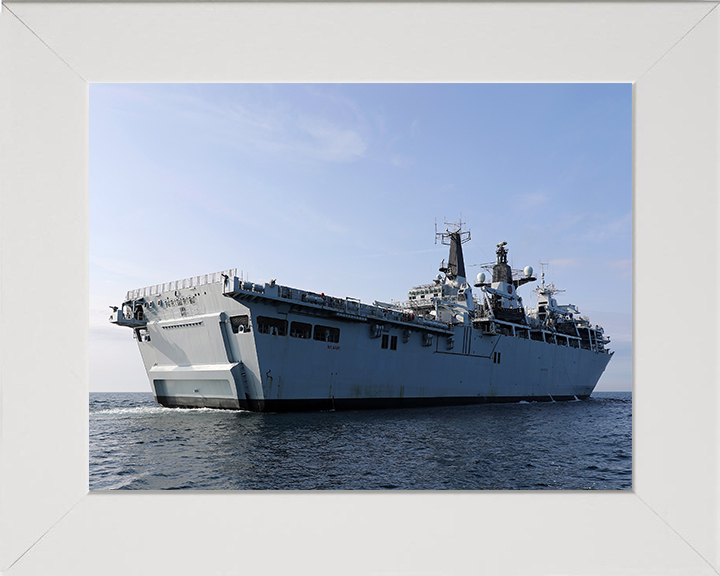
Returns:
point(191, 282)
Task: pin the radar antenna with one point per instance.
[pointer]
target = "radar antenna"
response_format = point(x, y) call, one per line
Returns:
point(450, 229)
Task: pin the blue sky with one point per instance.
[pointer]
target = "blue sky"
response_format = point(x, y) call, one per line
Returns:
point(336, 188)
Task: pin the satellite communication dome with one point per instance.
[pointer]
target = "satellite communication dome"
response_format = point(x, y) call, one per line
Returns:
point(481, 277)
point(528, 271)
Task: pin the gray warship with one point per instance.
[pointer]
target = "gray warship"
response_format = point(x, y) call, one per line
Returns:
point(219, 341)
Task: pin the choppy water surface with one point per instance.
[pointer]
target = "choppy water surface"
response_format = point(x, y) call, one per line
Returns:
point(136, 444)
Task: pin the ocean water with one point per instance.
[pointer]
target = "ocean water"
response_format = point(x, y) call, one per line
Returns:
point(136, 444)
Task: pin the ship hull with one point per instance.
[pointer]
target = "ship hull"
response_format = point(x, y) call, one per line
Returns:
point(196, 356)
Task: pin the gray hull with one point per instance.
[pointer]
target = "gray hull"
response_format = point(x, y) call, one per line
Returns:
point(198, 354)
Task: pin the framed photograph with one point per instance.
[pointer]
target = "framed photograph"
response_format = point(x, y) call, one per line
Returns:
point(49, 53)
point(345, 300)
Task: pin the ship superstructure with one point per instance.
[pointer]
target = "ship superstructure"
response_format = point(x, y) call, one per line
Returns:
point(220, 341)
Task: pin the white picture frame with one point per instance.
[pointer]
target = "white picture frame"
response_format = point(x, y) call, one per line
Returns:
point(50, 523)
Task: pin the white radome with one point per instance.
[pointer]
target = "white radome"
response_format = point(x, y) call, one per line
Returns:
point(481, 277)
point(528, 271)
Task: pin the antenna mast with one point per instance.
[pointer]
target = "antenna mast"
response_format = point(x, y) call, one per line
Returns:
point(542, 272)
point(452, 228)
point(455, 238)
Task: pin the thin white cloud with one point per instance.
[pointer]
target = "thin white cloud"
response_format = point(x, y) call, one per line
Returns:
point(330, 142)
point(448, 187)
point(619, 228)
point(252, 126)
point(623, 267)
point(415, 127)
point(265, 120)
point(531, 200)
point(621, 264)
point(402, 161)
point(126, 267)
point(312, 219)
point(380, 123)
point(392, 141)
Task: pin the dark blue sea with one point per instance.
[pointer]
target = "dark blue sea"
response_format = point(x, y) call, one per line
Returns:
point(136, 444)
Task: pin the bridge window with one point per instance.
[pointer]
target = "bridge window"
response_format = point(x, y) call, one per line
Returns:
point(300, 330)
point(274, 326)
point(326, 334)
point(239, 323)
